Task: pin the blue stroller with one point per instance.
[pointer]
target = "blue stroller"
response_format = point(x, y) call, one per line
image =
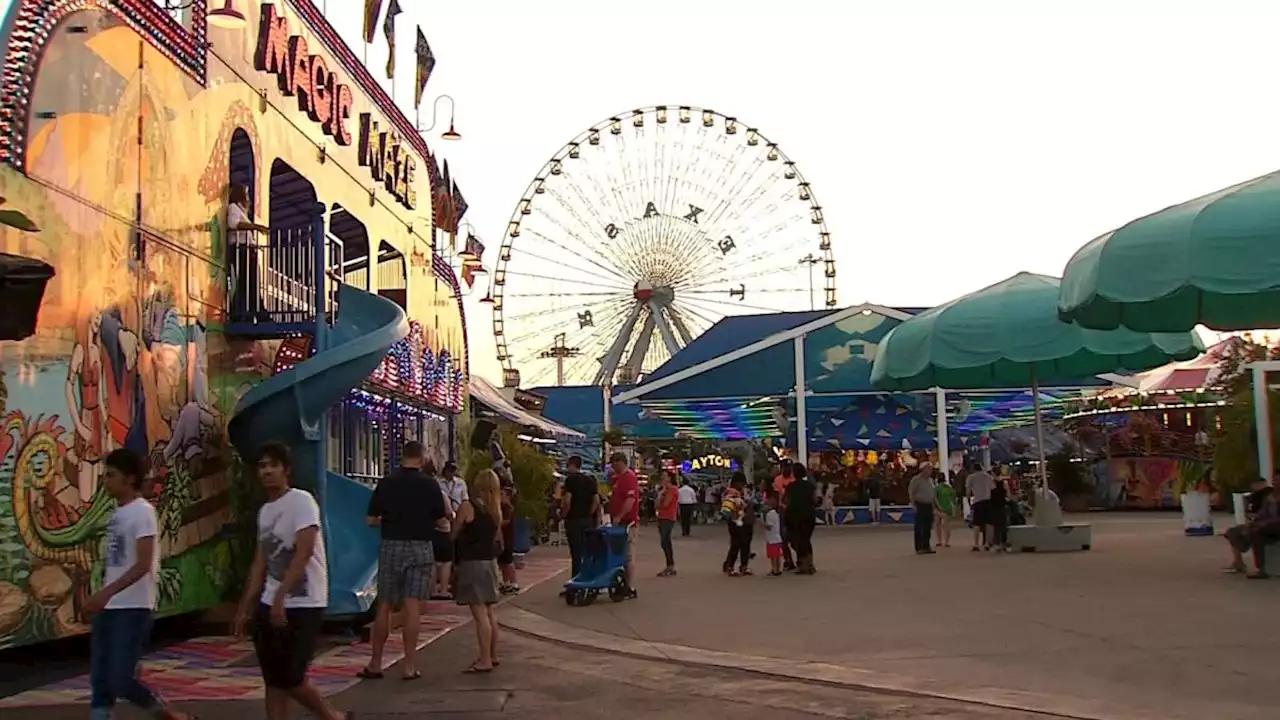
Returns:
point(603, 568)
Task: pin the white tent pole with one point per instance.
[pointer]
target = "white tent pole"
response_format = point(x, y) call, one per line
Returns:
point(608, 424)
point(1035, 400)
point(802, 429)
point(944, 453)
point(1262, 421)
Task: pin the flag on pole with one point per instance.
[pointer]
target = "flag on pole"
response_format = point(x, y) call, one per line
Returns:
point(372, 8)
point(459, 204)
point(426, 63)
point(389, 31)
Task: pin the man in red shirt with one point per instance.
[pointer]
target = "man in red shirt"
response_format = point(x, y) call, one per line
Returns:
point(624, 508)
point(780, 482)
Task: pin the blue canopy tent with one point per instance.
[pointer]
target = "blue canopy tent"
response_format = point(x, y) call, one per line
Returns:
point(738, 380)
point(581, 407)
point(876, 422)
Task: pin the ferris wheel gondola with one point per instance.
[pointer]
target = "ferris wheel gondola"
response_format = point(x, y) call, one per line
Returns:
point(642, 232)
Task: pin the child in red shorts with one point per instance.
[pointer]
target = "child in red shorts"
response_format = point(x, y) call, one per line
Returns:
point(773, 536)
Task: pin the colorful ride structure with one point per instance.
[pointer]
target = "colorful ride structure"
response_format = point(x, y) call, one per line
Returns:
point(122, 129)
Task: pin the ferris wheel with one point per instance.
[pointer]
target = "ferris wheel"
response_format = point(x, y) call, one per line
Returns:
point(641, 233)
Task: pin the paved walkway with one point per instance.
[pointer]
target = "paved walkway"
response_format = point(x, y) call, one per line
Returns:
point(544, 681)
point(1143, 626)
point(226, 669)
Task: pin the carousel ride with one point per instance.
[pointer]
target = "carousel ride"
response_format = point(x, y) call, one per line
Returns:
point(642, 232)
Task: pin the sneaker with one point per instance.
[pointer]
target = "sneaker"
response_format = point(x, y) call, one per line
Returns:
point(775, 573)
point(745, 571)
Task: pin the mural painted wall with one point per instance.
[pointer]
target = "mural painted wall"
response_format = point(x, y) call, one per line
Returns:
point(125, 149)
point(1143, 482)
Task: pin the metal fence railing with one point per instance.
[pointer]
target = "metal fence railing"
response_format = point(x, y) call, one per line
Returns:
point(290, 278)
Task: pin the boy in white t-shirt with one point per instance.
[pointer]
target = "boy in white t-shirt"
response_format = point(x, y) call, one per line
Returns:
point(287, 590)
point(122, 610)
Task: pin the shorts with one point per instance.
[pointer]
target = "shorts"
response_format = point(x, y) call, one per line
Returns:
point(442, 547)
point(633, 533)
point(284, 653)
point(404, 570)
point(982, 513)
point(773, 551)
point(507, 556)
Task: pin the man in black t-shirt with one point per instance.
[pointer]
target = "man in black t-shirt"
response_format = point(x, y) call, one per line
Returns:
point(579, 506)
point(801, 517)
point(408, 507)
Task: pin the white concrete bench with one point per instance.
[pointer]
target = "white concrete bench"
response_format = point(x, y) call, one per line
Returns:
point(1049, 533)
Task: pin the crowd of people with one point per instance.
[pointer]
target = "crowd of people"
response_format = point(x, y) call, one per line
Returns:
point(440, 539)
point(446, 540)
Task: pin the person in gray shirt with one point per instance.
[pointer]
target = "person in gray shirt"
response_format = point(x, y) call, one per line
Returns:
point(978, 487)
point(922, 491)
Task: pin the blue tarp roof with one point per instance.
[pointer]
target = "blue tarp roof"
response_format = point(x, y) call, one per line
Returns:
point(838, 356)
point(581, 407)
point(731, 333)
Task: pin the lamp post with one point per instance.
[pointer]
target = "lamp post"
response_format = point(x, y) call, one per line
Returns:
point(810, 260)
point(451, 133)
point(226, 17)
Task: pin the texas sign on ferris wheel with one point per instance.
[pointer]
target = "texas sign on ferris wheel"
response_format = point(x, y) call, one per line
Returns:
point(641, 233)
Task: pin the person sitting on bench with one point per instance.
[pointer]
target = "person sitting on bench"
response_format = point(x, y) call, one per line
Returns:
point(1261, 529)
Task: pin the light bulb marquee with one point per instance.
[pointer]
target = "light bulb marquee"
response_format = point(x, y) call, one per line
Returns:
point(34, 23)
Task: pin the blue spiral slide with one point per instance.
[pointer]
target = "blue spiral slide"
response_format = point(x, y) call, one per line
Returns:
point(292, 407)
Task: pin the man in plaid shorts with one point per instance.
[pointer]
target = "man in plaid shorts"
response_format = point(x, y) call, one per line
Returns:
point(407, 506)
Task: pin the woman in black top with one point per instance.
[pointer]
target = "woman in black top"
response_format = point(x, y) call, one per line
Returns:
point(477, 536)
point(1000, 513)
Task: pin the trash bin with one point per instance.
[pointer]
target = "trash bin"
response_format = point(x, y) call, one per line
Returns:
point(524, 535)
point(1197, 517)
point(1238, 504)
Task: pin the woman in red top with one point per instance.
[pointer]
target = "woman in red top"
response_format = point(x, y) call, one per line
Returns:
point(668, 510)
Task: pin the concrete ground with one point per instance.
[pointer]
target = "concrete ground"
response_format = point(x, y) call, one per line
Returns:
point(539, 680)
point(1143, 626)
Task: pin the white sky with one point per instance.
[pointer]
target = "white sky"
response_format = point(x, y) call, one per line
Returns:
point(952, 142)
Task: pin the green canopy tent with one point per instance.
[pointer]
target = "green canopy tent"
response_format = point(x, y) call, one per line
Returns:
point(1009, 336)
point(1212, 261)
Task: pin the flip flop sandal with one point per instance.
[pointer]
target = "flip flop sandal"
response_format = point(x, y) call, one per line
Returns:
point(1258, 576)
point(473, 670)
point(367, 674)
point(412, 676)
